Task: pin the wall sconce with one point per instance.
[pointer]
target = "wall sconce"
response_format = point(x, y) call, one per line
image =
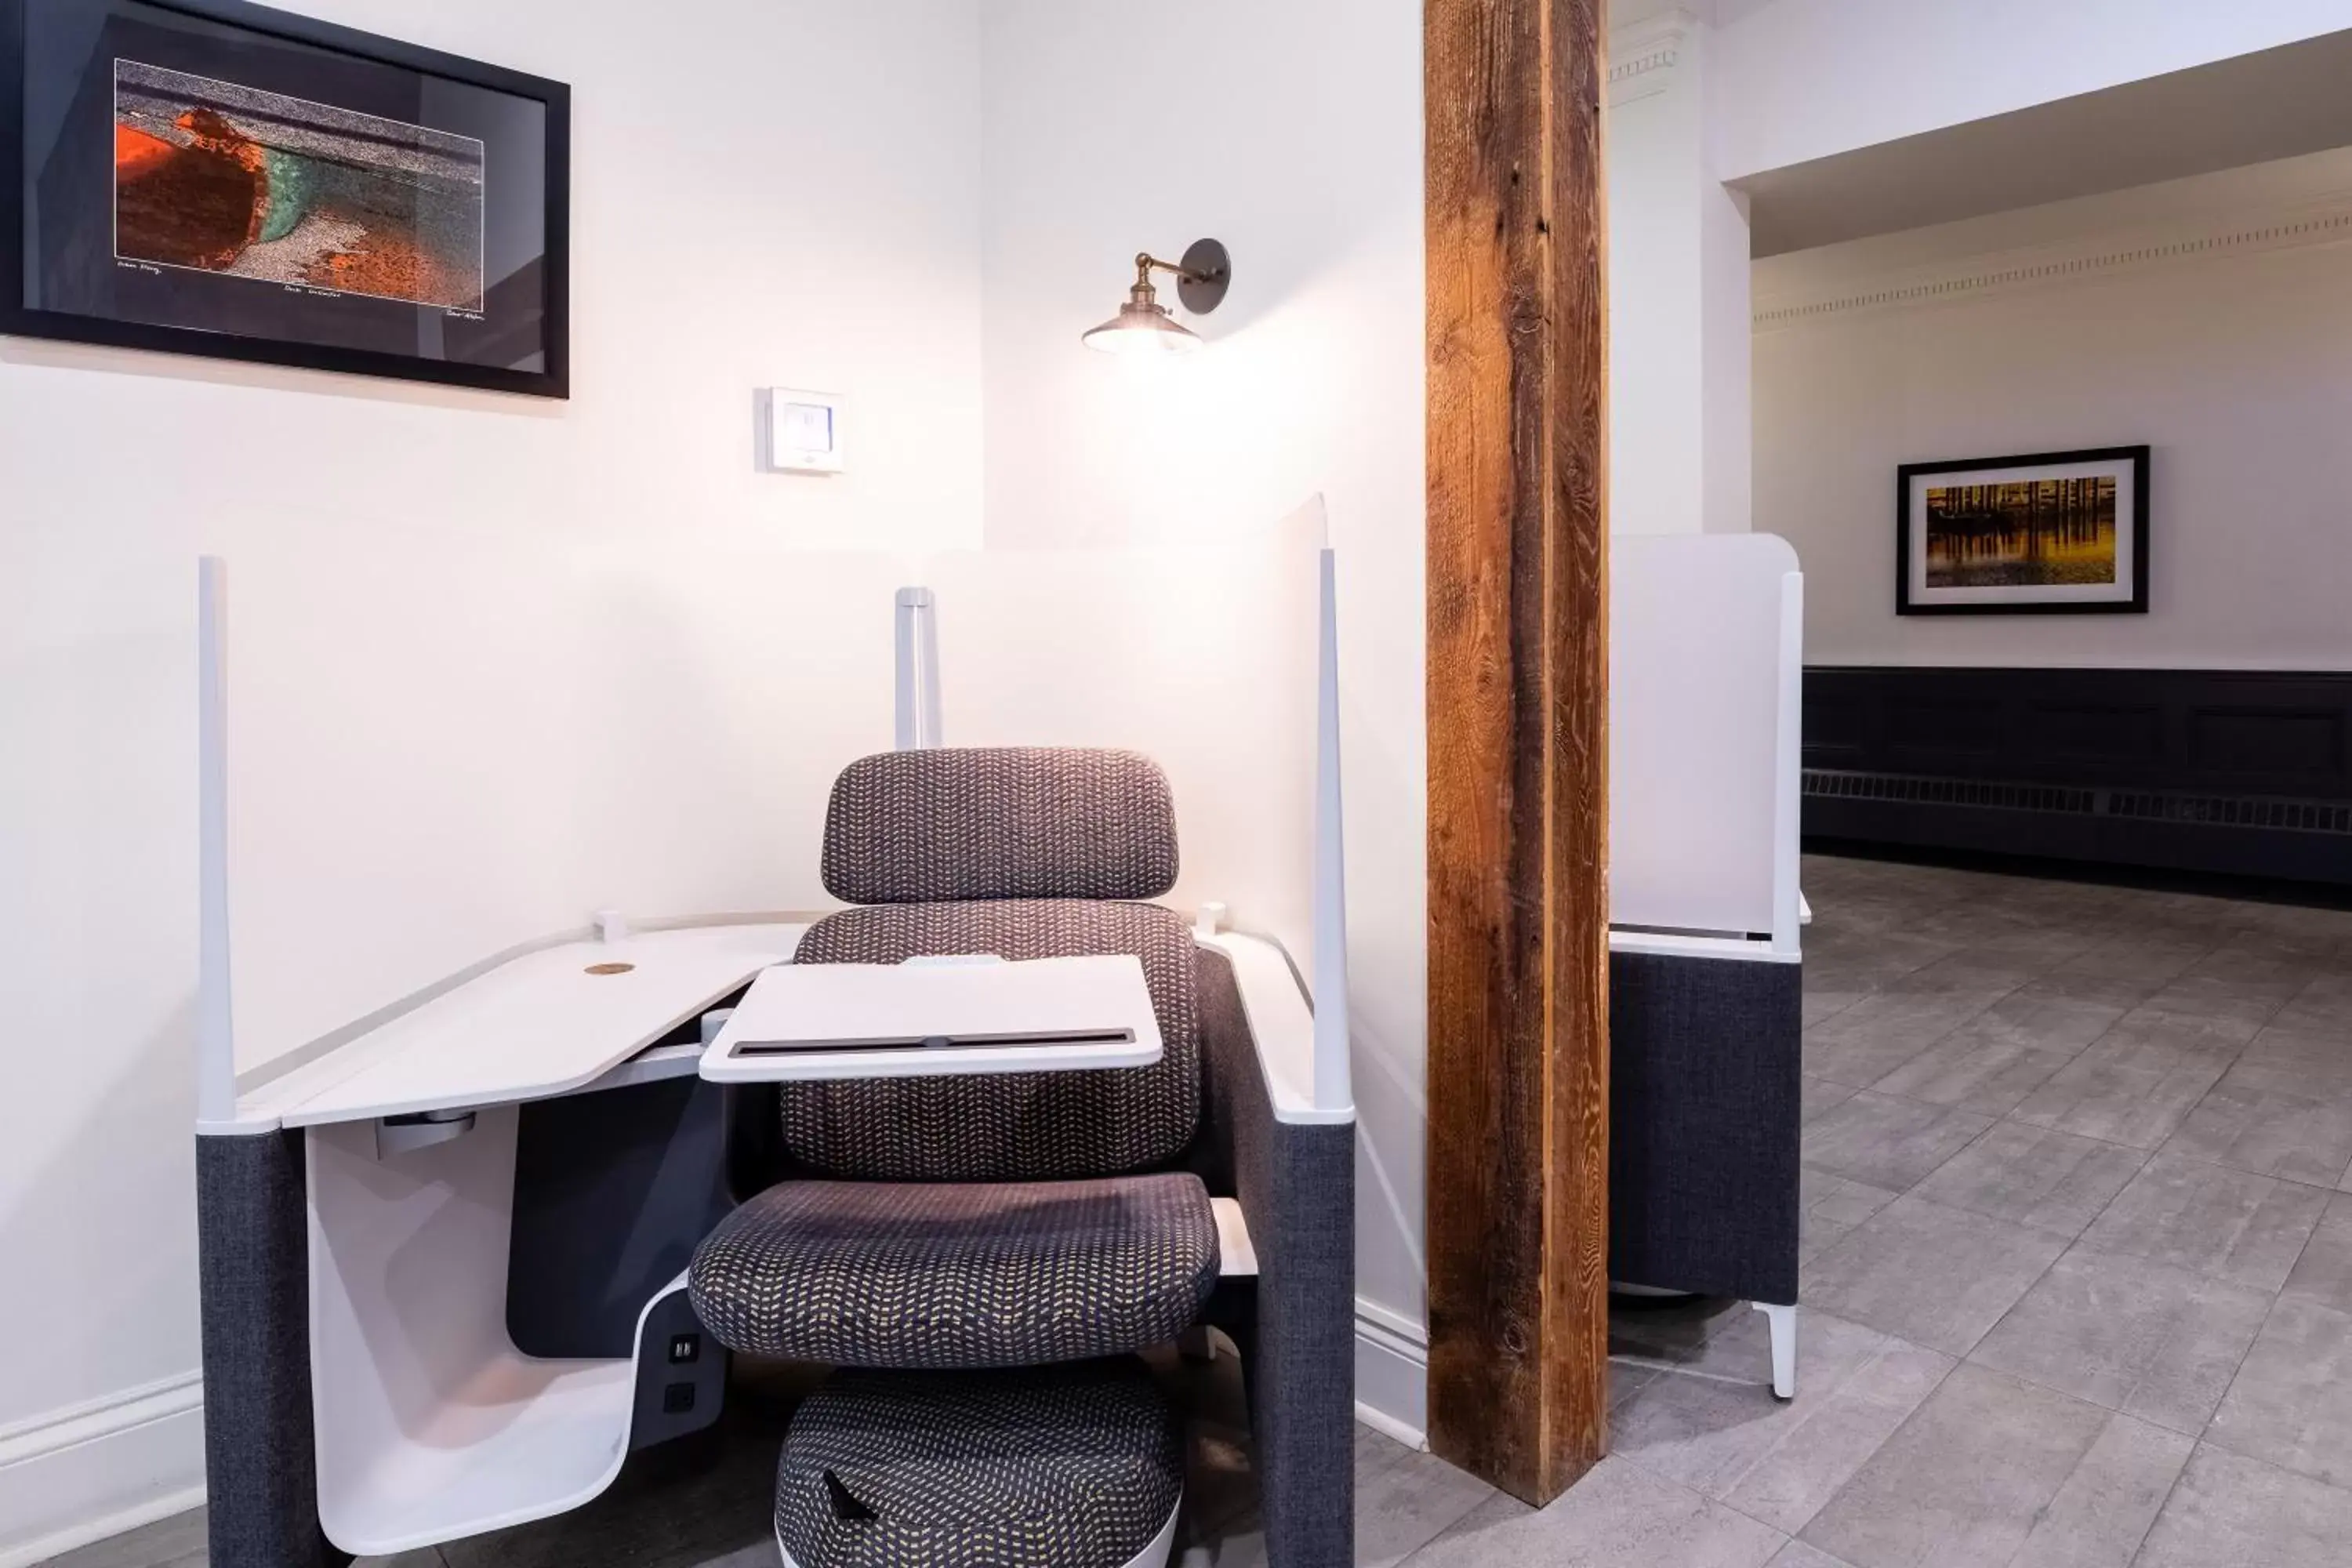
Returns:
point(1143, 326)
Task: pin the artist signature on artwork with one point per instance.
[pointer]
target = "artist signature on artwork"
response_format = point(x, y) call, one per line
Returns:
point(147, 267)
point(463, 315)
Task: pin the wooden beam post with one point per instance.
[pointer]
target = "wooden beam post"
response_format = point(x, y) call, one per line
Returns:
point(1518, 754)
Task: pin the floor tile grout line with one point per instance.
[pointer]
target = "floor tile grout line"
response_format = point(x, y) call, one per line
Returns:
point(1889, 1440)
point(2113, 1410)
point(1877, 1359)
point(2156, 1518)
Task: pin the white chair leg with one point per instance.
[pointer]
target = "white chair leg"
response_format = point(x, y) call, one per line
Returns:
point(1198, 1344)
point(1783, 1320)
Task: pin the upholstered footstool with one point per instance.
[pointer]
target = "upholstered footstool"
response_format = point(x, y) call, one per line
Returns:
point(1079, 1466)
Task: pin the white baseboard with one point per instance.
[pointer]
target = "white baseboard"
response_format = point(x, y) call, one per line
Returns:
point(1392, 1374)
point(84, 1473)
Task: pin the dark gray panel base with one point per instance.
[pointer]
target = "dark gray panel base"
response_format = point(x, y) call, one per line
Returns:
point(253, 1264)
point(1296, 1186)
point(1299, 1358)
point(612, 1191)
point(1706, 1097)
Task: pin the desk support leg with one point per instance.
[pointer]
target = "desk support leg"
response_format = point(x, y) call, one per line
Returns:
point(1783, 1320)
point(252, 1248)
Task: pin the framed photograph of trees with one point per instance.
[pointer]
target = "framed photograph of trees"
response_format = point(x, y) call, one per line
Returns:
point(213, 177)
point(2062, 532)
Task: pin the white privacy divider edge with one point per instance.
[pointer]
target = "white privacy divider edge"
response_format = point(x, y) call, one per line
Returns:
point(1707, 654)
point(1334, 1058)
point(215, 1030)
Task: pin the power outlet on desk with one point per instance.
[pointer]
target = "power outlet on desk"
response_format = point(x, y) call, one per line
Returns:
point(681, 1374)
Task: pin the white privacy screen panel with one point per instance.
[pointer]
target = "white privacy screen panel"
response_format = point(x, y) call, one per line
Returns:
point(1203, 659)
point(438, 754)
point(1706, 674)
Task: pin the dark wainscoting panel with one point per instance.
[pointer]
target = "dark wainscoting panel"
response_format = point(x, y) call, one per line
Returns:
point(2245, 773)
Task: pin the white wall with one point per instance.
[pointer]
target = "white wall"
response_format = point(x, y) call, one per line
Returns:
point(1806, 79)
point(1678, 290)
point(120, 468)
point(2233, 361)
point(1656, 161)
point(1293, 132)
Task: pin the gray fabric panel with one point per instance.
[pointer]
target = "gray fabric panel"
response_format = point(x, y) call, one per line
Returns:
point(1705, 1108)
point(920, 827)
point(1074, 1468)
point(1297, 1190)
point(253, 1272)
point(889, 1275)
point(1016, 1126)
point(611, 1191)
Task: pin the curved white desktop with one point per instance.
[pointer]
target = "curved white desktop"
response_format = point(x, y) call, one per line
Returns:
point(430, 1425)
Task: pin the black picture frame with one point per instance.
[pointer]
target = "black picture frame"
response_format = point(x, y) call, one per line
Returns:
point(551, 346)
point(2128, 597)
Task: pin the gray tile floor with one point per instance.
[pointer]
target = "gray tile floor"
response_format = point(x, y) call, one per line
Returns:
point(2078, 1286)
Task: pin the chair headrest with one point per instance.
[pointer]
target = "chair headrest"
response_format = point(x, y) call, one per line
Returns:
point(1031, 822)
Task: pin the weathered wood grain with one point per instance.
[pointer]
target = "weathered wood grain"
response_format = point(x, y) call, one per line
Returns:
point(1517, 542)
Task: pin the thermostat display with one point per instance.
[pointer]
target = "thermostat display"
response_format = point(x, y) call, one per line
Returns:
point(805, 432)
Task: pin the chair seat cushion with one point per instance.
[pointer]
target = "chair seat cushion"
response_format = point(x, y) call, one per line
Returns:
point(963, 1276)
point(1077, 1466)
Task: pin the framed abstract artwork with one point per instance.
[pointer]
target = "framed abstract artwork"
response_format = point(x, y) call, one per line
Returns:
point(2064, 532)
point(212, 177)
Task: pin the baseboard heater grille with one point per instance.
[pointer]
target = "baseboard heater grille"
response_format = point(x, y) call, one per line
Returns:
point(2261, 812)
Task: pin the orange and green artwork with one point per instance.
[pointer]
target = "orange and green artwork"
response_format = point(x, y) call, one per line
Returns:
point(219, 177)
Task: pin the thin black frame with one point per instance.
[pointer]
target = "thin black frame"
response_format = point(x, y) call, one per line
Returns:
point(2140, 459)
point(18, 321)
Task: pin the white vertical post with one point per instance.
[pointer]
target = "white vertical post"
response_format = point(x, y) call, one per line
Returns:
point(1334, 1090)
point(215, 1043)
point(1789, 772)
point(918, 671)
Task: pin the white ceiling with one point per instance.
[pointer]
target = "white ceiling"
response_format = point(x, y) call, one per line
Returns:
point(2255, 109)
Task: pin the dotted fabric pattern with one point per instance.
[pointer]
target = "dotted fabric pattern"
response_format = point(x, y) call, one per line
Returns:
point(888, 1275)
point(1072, 1467)
point(1015, 1126)
point(920, 827)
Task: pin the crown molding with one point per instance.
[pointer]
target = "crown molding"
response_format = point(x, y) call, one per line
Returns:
point(1799, 302)
point(1643, 55)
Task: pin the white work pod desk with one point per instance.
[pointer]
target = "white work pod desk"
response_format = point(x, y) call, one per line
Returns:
point(444, 1242)
point(430, 1423)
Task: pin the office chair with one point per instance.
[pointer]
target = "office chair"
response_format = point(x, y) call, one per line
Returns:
point(981, 1257)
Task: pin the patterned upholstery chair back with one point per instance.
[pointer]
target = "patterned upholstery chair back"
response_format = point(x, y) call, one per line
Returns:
point(1025, 853)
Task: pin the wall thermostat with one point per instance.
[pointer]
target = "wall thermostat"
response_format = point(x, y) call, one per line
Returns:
point(803, 431)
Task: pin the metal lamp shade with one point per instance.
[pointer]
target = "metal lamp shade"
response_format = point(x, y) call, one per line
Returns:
point(1143, 329)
